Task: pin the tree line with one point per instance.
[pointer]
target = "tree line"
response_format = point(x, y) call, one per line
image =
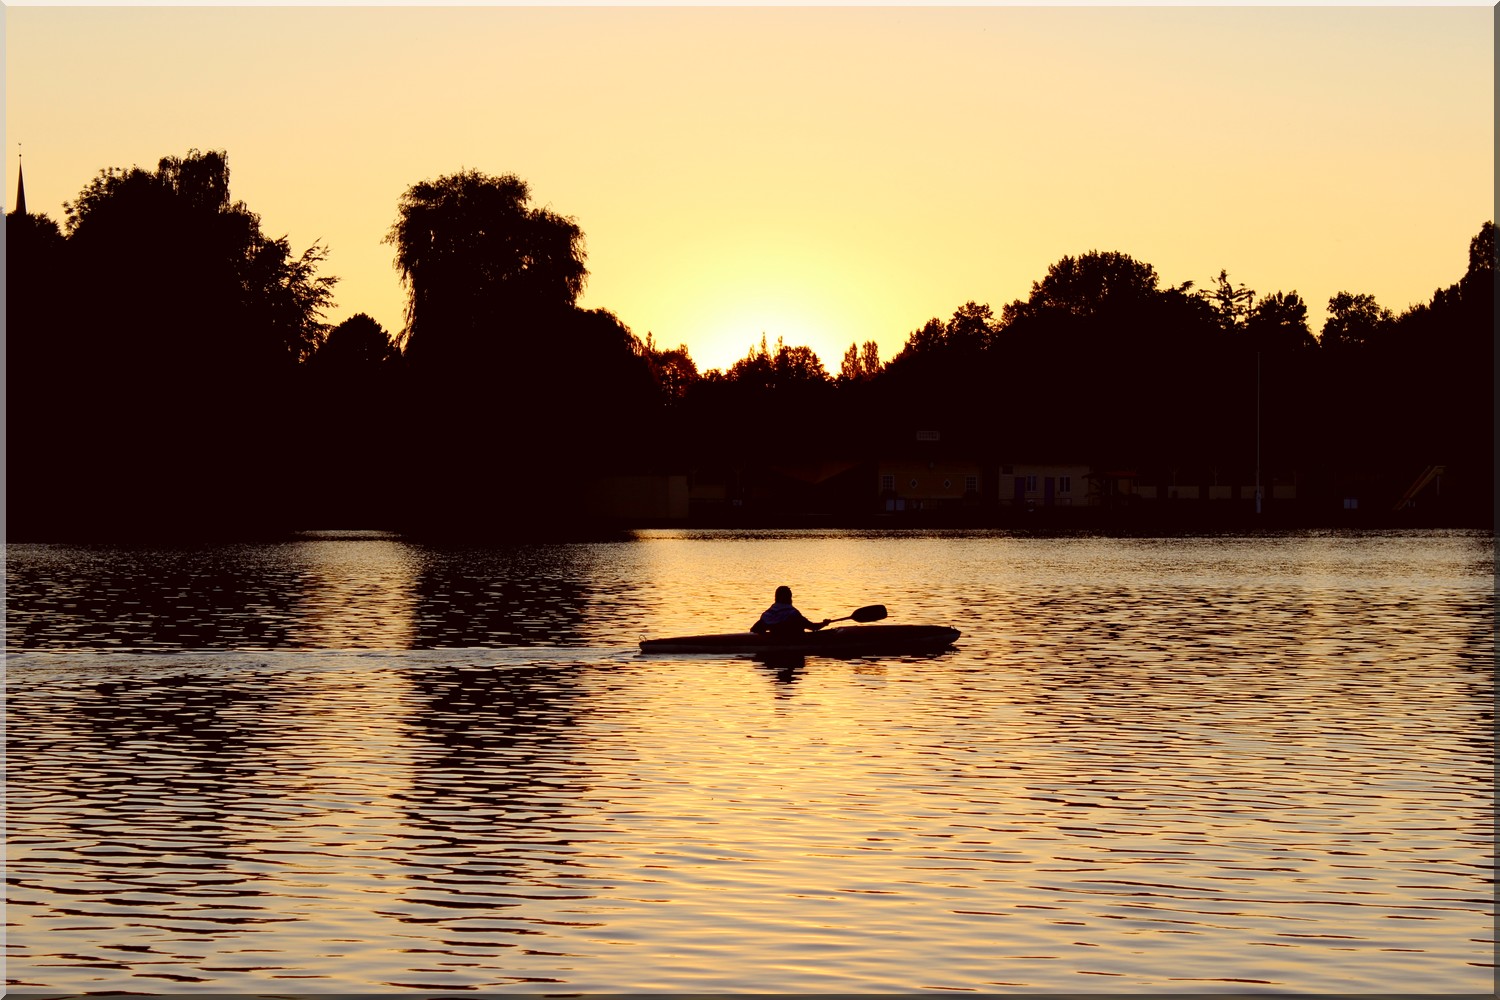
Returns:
point(169, 370)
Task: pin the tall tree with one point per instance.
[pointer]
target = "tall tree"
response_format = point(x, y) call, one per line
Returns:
point(482, 268)
point(182, 338)
point(496, 350)
point(189, 272)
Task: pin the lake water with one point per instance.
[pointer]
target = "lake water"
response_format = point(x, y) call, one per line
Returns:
point(353, 763)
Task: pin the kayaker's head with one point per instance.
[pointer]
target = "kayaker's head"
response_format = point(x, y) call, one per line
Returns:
point(783, 595)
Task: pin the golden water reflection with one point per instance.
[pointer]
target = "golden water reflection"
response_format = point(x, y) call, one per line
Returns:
point(358, 593)
point(1200, 766)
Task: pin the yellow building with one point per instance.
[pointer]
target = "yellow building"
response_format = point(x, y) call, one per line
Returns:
point(1044, 485)
point(916, 484)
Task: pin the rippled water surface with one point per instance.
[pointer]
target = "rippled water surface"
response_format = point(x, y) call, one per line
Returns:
point(355, 763)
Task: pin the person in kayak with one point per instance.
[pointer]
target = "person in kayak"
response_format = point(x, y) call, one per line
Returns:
point(782, 619)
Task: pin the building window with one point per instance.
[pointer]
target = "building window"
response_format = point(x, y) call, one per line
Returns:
point(971, 484)
point(1031, 484)
point(912, 484)
point(887, 484)
point(947, 484)
point(1065, 484)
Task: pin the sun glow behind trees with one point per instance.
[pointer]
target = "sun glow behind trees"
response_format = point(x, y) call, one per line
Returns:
point(200, 346)
point(822, 175)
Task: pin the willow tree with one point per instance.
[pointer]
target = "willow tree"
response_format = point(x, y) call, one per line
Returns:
point(483, 270)
point(506, 369)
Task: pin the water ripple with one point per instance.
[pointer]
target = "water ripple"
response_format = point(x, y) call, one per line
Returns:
point(1166, 766)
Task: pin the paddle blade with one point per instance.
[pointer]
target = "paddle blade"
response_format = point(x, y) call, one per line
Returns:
point(873, 613)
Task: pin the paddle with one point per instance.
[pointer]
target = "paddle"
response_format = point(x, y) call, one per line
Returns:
point(871, 613)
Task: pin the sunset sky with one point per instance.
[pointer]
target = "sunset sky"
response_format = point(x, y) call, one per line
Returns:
point(827, 175)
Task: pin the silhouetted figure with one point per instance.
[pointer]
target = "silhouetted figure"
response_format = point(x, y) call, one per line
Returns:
point(782, 619)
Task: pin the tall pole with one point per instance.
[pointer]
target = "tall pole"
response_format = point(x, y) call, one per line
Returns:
point(1257, 432)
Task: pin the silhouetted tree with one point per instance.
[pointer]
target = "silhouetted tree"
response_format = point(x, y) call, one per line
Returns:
point(769, 404)
point(788, 369)
point(356, 344)
point(351, 387)
point(1091, 284)
point(180, 338)
point(1430, 378)
point(157, 344)
point(1232, 304)
point(1123, 359)
point(925, 341)
point(755, 370)
point(603, 367)
point(972, 328)
point(1354, 321)
point(674, 370)
point(969, 333)
point(504, 367)
point(483, 269)
point(41, 365)
point(34, 272)
point(860, 364)
point(1278, 322)
point(191, 271)
point(943, 379)
point(1098, 317)
point(284, 293)
point(799, 366)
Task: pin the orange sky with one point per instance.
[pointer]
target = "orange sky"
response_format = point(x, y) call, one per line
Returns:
point(826, 175)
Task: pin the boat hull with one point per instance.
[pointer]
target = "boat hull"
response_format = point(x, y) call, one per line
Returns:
point(855, 640)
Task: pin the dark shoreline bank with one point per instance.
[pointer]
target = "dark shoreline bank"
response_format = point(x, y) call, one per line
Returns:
point(1039, 523)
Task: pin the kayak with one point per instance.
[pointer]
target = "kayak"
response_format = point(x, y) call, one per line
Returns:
point(853, 640)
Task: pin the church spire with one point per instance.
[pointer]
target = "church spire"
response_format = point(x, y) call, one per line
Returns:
point(20, 188)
